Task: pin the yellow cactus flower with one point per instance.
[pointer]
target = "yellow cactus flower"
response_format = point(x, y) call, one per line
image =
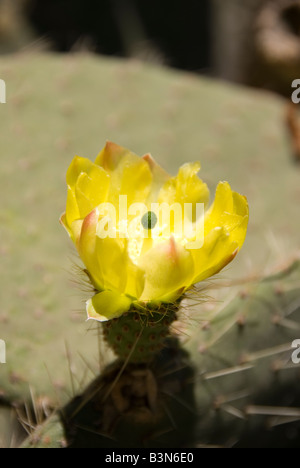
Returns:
point(132, 254)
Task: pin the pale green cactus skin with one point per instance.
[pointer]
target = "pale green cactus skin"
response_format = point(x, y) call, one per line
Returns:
point(243, 356)
point(60, 106)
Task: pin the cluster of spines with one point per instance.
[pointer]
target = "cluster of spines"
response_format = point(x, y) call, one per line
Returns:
point(138, 336)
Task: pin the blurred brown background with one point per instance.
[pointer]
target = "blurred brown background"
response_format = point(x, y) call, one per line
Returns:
point(253, 42)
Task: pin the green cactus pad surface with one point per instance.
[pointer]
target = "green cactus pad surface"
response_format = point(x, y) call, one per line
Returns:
point(248, 384)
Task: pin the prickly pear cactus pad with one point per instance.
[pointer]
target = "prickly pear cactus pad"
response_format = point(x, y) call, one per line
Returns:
point(248, 382)
point(61, 106)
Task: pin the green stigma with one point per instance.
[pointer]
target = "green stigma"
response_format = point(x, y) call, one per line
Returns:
point(149, 220)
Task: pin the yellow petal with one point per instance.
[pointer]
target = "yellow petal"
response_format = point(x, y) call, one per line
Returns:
point(64, 223)
point(118, 272)
point(223, 203)
point(219, 249)
point(159, 177)
point(230, 210)
point(88, 186)
point(76, 228)
point(91, 189)
point(130, 174)
point(112, 262)
point(134, 180)
point(94, 185)
point(240, 204)
point(135, 280)
point(85, 205)
point(225, 228)
point(168, 271)
point(107, 305)
point(111, 156)
point(78, 165)
point(107, 260)
point(185, 188)
point(87, 248)
point(191, 189)
point(72, 210)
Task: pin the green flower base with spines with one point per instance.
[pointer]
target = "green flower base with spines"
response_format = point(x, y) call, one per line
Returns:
point(139, 337)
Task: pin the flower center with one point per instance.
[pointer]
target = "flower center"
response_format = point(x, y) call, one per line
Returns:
point(149, 220)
